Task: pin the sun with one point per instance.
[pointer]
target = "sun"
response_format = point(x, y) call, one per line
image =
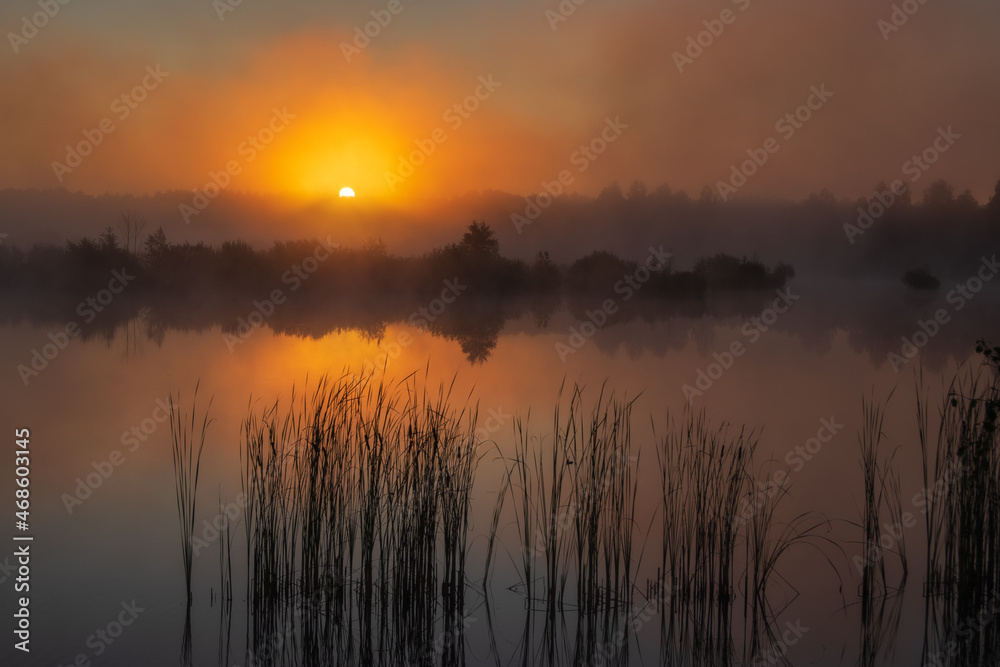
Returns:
point(346, 192)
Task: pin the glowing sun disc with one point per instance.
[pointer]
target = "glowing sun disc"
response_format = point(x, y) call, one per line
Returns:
point(346, 192)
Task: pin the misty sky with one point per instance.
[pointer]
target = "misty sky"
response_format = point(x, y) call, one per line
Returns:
point(346, 123)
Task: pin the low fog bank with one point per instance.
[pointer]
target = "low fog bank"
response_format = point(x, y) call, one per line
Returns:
point(881, 236)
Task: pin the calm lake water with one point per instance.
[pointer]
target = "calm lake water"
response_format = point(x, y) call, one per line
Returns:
point(806, 372)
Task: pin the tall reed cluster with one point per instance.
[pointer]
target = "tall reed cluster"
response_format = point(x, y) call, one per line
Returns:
point(573, 492)
point(961, 473)
point(882, 521)
point(358, 500)
point(721, 541)
point(709, 501)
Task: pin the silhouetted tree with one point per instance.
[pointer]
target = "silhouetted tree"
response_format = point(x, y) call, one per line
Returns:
point(709, 195)
point(938, 195)
point(481, 240)
point(637, 192)
point(994, 205)
point(544, 272)
point(663, 192)
point(130, 226)
point(823, 198)
point(374, 246)
point(478, 346)
point(966, 202)
point(905, 199)
point(783, 272)
point(611, 193)
point(108, 241)
point(156, 246)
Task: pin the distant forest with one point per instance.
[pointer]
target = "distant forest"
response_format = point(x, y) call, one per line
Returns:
point(152, 264)
point(196, 287)
point(897, 227)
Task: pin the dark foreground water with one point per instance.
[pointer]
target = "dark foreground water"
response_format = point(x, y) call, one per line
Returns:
point(106, 576)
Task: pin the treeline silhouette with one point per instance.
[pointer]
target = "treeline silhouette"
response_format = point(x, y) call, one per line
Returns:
point(938, 227)
point(882, 235)
point(471, 266)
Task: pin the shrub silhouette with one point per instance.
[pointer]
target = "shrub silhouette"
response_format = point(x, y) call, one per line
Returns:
point(727, 272)
point(236, 268)
point(598, 272)
point(921, 278)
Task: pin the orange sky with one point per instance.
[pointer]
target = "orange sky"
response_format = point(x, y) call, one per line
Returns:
point(556, 88)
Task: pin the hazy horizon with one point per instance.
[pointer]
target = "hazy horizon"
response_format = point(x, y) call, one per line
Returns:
point(548, 83)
